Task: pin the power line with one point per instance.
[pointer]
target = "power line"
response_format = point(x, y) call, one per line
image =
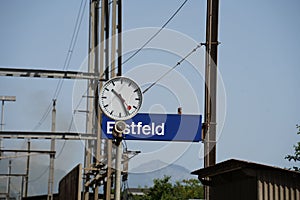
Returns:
point(67, 60)
point(171, 69)
point(40, 176)
point(77, 106)
point(71, 46)
point(151, 38)
point(44, 117)
point(72, 121)
point(48, 167)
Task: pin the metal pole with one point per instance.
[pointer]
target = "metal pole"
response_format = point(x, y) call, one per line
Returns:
point(119, 151)
point(22, 188)
point(8, 180)
point(52, 156)
point(2, 117)
point(107, 73)
point(104, 56)
point(113, 39)
point(109, 170)
point(95, 60)
point(119, 37)
point(113, 74)
point(107, 29)
point(27, 170)
point(211, 87)
point(3, 99)
point(90, 118)
point(118, 172)
point(119, 127)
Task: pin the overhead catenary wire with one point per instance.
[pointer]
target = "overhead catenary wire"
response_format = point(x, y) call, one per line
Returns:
point(153, 36)
point(77, 106)
point(71, 123)
point(40, 176)
point(66, 65)
point(171, 69)
point(150, 39)
point(72, 45)
point(67, 61)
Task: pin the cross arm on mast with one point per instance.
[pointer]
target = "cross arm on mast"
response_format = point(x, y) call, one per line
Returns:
point(46, 135)
point(43, 73)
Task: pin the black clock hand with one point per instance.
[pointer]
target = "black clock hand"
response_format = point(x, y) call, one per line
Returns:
point(118, 95)
point(124, 104)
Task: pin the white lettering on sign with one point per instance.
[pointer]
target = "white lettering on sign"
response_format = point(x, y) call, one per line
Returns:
point(139, 128)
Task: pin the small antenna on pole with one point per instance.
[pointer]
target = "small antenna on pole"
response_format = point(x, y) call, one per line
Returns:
point(179, 110)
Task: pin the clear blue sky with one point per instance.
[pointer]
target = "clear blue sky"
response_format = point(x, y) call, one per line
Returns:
point(258, 62)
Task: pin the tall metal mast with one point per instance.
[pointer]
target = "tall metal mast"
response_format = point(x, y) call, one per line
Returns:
point(52, 156)
point(111, 29)
point(211, 86)
point(93, 67)
point(27, 169)
point(103, 58)
point(3, 99)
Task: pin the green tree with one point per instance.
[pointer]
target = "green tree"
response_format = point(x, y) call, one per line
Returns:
point(296, 156)
point(189, 189)
point(164, 190)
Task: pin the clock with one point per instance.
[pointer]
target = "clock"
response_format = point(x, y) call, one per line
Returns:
point(120, 98)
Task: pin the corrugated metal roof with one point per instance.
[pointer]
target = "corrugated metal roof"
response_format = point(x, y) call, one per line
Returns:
point(233, 165)
point(236, 179)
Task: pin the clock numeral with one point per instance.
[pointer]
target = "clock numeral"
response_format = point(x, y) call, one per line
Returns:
point(119, 114)
point(111, 112)
point(137, 99)
point(106, 89)
point(129, 84)
point(136, 90)
point(104, 97)
point(134, 107)
point(105, 105)
point(113, 83)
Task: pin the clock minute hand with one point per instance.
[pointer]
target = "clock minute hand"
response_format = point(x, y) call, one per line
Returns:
point(122, 100)
point(118, 95)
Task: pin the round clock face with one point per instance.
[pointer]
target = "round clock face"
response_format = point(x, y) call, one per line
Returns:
point(120, 98)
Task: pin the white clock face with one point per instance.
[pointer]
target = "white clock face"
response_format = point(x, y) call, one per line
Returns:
point(120, 98)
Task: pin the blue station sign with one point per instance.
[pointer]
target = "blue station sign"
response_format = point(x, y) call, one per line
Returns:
point(158, 127)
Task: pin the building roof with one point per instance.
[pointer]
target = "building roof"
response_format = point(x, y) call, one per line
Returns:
point(237, 165)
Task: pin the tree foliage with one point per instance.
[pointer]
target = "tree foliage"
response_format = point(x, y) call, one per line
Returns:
point(296, 156)
point(164, 190)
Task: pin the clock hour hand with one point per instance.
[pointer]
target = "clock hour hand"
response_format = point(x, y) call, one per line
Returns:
point(122, 100)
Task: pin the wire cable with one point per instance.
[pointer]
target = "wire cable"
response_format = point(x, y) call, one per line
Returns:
point(71, 46)
point(70, 126)
point(77, 106)
point(66, 62)
point(40, 176)
point(171, 69)
point(66, 65)
point(150, 39)
point(44, 117)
